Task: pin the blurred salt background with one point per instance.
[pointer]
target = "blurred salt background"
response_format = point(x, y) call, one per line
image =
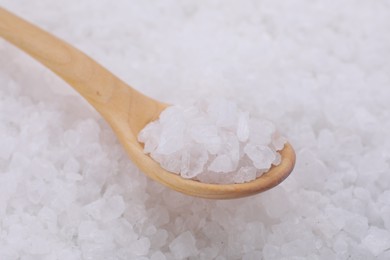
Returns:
point(319, 69)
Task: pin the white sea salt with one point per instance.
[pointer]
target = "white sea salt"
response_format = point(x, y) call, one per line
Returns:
point(212, 139)
point(106, 209)
point(377, 240)
point(318, 68)
point(140, 246)
point(183, 246)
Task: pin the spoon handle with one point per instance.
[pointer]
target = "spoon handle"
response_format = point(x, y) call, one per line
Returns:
point(103, 90)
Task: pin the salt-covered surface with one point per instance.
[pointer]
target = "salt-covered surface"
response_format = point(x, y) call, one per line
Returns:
point(213, 141)
point(319, 69)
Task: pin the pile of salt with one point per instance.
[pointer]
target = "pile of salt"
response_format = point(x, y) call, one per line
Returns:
point(213, 141)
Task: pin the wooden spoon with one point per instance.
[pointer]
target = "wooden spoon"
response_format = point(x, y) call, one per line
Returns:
point(124, 108)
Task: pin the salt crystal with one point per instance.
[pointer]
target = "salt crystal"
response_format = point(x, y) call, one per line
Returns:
point(171, 138)
point(159, 239)
point(203, 133)
point(223, 111)
point(158, 256)
point(377, 240)
point(340, 245)
point(183, 246)
point(356, 225)
point(159, 215)
point(89, 230)
point(43, 169)
point(191, 113)
point(253, 237)
point(140, 247)
point(261, 131)
point(150, 231)
point(71, 138)
point(278, 142)
point(243, 127)
point(151, 133)
point(277, 202)
point(36, 191)
point(172, 163)
point(49, 217)
point(71, 165)
point(209, 253)
point(262, 156)
point(107, 209)
point(89, 129)
point(170, 114)
point(193, 161)
point(278, 159)
point(213, 145)
point(245, 174)
point(222, 163)
point(232, 148)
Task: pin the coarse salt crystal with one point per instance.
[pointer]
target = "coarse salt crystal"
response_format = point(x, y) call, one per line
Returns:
point(213, 141)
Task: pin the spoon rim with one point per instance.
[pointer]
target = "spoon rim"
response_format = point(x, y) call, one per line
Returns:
point(268, 180)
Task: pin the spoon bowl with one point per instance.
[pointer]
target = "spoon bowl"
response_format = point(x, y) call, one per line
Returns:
point(125, 109)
